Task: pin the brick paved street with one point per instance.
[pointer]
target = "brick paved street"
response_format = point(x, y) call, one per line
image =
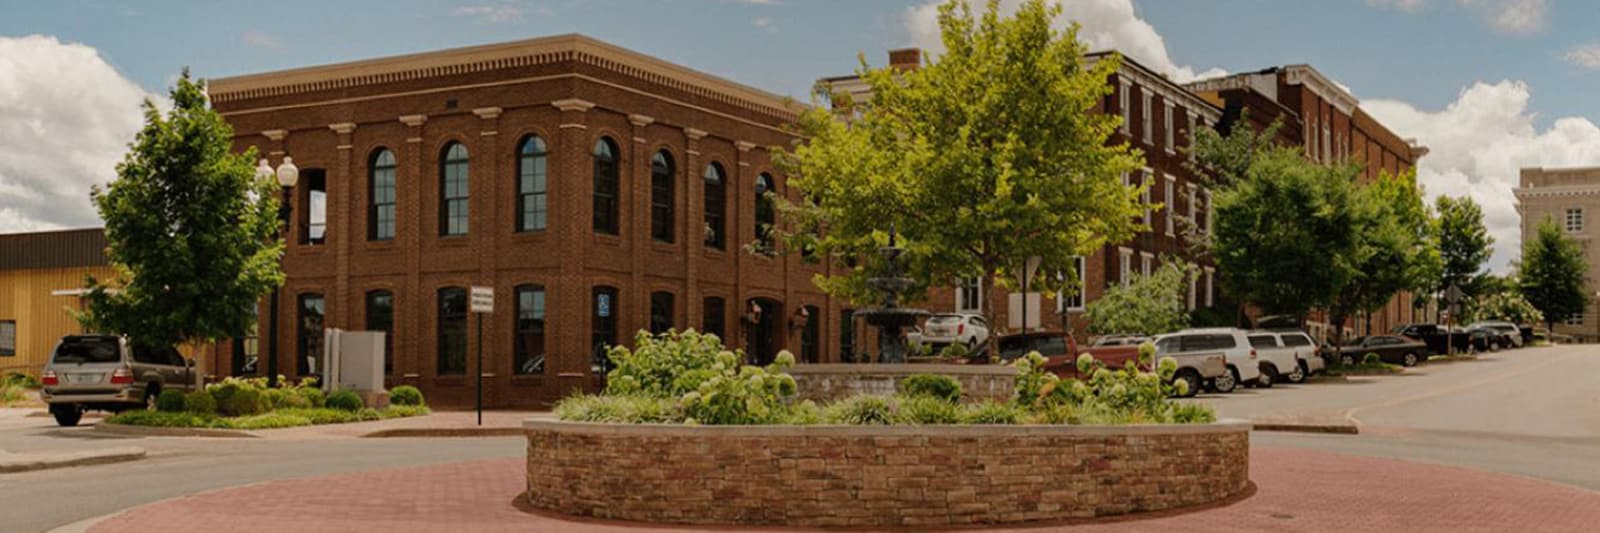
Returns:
point(1298, 490)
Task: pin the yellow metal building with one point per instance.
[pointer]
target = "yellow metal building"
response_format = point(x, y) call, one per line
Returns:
point(41, 278)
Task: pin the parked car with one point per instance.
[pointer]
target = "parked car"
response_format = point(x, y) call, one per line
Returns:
point(1118, 340)
point(955, 328)
point(1061, 351)
point(1238, 358)
point(1404, 351)
point(1439, 340)
point(107, 373)
point(1486, 340)
point(1285, 356)
point(1512, 333)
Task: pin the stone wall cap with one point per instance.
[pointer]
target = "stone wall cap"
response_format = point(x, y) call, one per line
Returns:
point(902, 369)
point(1020, 430)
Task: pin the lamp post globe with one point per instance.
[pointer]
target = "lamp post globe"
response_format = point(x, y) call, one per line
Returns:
point(288, 174)
point(263, 170)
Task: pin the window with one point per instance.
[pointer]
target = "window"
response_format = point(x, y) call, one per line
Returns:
point(661, 197)
point(1144, 107)
point(1211, 289)
point(1124, 100)
point(606, 185)
point(452, 332)
point(1194, 132)
point(712, 317)
point(1146, 260)
point(969, 294)
point(847, 336)
point(1575, 220)
point(314, 195)
point(1144, 197)
point(1168, 131)
point(661, 311)
point(1167, 197)
point(766, 212)
point(603, 328)
point(1192, 289)
point(453, 207)
point(1296, 340)
point(8, 338)
point(309, 335)
point(811, 334)
point(1263, 341)
point(1192, 219)
point(532, 179)
point(528, 344)
point(1575, 320)
point(1071, 298)
point(1209, 210)
point(380, 317)
point(1125, 270)
point(246, 353)
point(381, 196)
point(716, 206)
point(1327, 143)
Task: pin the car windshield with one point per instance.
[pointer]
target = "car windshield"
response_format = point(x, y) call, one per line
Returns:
point(88, 350)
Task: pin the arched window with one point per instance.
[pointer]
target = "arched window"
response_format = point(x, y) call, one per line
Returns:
point(308, 335)
point(661, 311)
point(603, 328)
point(811, 335)
point(606, 185)
point(716, 206)
point(766, 211)
point(529, 354)
point(661, 200)
point(452, 331)
point(531, 181)
point(381, 196)
point(380, 317)
point(714, 317)
point(453, 190)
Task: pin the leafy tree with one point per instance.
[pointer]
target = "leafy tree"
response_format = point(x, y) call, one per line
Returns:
point(1507, 305)
point(1552, 275)
point(1394, 249)
point(1149, 305)
point(989, 155)
point(191, 232)
point(1464, 242)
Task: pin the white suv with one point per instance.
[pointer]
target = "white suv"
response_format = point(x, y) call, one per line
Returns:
point(955, 328)
point(1232, 344)
point(1285, 356)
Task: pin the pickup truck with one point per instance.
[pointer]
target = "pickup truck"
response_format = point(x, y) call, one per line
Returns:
point(1438, 340)
point(1061, 353)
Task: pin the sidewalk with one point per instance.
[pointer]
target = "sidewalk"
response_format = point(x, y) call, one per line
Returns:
point(1298, 490)
point(438, 424)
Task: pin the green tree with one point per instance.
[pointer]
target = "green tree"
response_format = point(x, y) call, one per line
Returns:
point(1149, 305)
point(191, 232)
point(1507, 305)
point(1393, 251)
point(1552, 274)
point(1464, 242)
point(991, 154)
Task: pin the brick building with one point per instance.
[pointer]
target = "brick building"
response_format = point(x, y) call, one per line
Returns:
point(1565, 196)
point(599, 191)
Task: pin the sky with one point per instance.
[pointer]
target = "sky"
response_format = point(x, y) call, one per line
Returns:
point(1488, 85)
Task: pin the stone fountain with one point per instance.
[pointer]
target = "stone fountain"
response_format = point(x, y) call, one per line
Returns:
point(890, 320)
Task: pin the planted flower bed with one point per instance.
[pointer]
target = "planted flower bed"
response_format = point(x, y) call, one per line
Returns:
point(684, 433)
point(237, 403)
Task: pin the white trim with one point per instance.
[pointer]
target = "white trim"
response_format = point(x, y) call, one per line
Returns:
point(1081, 263)
point(1144, 197)
point(1124, 265)
point(1123, 98)
point(1168, 134)
point(1211, 286)
point(961, 289)
point(1168, 198)
point(1147, 263)
point(1192, 283)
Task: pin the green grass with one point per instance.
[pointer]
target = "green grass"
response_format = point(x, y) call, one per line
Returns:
point(281, 418)
point(1365, 368)
point(11, 393)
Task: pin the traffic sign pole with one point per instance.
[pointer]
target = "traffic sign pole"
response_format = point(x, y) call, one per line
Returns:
point(480, 369)
point(481, 303)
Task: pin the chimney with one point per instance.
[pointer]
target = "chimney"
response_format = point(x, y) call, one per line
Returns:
point(905, 58)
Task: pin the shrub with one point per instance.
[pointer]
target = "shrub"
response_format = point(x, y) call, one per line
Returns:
point(242, 402)
point(160, 419)
point(200, 403)
point(368, 414)
point(405, 395)
point(170, 401)
point(805, 413)
point(269, 421)
point(313, 396)
point(735, 394)
point(669, 365)
point(18, 379)
point(992, 412)
point(619, 409)
point(11, 393)
point(955, 350)
point(1192, 413)
point(863, 410)
point(321, 415)
point(1371, 359)
point(224, 391)
point(919, 410)
point(404, 411)
point(933, 385)
point(347, 400)
point(289, 399)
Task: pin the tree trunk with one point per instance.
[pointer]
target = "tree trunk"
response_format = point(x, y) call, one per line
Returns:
point(986, 307)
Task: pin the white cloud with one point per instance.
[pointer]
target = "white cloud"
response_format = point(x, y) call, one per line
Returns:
point(1105, 24)
point(69, 116)
point(764, 24)
point(1479, 143)
point(1585, 55)
point(260, 39)
point(494, 14)
point(1505, 16)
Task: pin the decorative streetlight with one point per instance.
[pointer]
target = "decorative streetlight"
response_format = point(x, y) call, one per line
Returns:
point(287, 175)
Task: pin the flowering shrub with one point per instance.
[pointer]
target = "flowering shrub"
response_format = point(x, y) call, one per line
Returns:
point(737, 394)
point(934, 385)
point(668, 365)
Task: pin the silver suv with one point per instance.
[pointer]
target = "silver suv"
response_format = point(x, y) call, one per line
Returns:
point(1230, 343)
point(107, 373)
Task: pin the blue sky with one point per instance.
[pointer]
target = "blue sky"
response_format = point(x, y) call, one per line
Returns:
point(1416, 64)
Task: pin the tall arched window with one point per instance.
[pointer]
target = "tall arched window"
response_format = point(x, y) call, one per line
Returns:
point(716, 206)
point(766, 212)
point(606, 186)
point(452, 331)
point(381, 196)
point(528, 347)
point(661, 200)
point(531, 180)
point(380, 317)
point(453, 190)
point(308, 334)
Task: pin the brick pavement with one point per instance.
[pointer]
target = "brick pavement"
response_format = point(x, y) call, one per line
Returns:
point(1298, 490)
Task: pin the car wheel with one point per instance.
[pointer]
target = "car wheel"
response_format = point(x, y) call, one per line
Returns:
point(1409, 359)
point(151, 391)
point(1228, 381)
point(1191, 380)
point(1347, 360)
point(1268, 377)
point(67, 415)
point(1299, 373)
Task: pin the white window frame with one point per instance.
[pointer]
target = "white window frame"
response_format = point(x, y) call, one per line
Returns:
point(1575, 320)
point(1144, 99)
point(1194, 129)
point(1125, 264)
point(1147, 262)
point(1078, 300)
point(1310, 138)
point(1327, 142)
point(1192, 191)
point(1171, 205)
point(1211, 287)
point(1125, 100)
point(1207, 194)
point(963, 306)
point(1144, 196)
point(1574, 220)
point(1168, 133)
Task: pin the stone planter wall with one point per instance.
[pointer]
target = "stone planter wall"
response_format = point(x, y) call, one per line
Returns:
point(879, 476)
point(824, 383)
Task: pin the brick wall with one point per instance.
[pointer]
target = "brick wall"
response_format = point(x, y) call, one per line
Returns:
point(829, 382)
point(821, 476)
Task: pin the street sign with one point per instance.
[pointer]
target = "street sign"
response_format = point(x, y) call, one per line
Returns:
point(482, 300)
point(1453, 294)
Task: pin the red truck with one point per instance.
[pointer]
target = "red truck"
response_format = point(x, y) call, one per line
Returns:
point(1061, 351)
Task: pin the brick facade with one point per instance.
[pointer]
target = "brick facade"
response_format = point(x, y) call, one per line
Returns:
point(826, 383)
point(815, 476)
point(571, 92)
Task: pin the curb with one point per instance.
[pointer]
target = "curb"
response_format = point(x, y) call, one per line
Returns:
point(1290, 427)
point(11, 464)
point(445, 432)
point(152, 431)
point(83, 526)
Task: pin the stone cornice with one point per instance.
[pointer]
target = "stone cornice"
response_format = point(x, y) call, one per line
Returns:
point(694, 133)
point(414, 120)
point(487, 113)
point(573, 104)
point(1322, 86)
point(276, 135)
point(744, 146)
point(641, 120)
point(342, 127)
point(1561, 191)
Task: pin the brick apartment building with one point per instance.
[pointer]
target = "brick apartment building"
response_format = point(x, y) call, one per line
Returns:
point(1566, 196)
point(599, 191)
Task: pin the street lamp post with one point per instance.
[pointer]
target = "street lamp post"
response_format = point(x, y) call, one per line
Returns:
point(287, 175)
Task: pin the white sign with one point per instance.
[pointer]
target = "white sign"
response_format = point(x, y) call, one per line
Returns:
point(603, 305)
point(482, 300)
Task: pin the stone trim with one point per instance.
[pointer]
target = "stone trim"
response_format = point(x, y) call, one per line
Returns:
point(694, 134)
point(487, 113)
point(641, 120)
point(573, 104)
point(414, 120)
point(275, 135)
point(1019, 430)
point(343, 127)
point(744, 146)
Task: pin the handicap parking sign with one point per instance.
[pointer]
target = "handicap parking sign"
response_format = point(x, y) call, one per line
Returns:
point(603, 305)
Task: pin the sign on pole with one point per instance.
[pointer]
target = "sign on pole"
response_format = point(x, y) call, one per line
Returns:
point(482, 300)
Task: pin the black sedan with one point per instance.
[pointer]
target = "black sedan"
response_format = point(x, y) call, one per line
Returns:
point(1404, 351)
